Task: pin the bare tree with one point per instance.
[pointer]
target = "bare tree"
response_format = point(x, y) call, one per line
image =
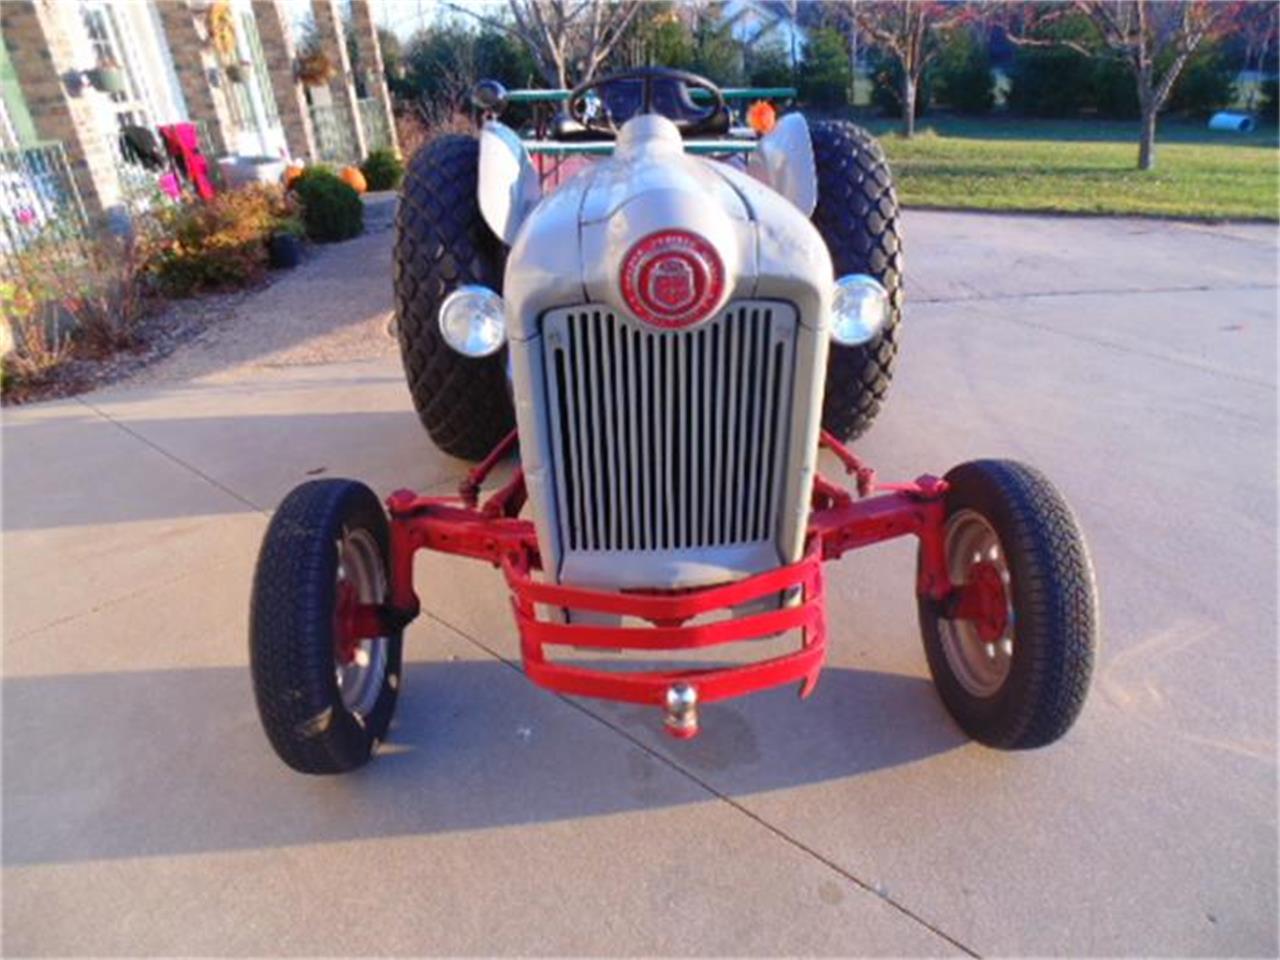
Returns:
point(809, 16)
point(1258, 23)
point(910, 31)
point(1155, 38)
point(569, 39)
point(451, 92)
point(798, 16)
point(793, 21)
point(853, 53)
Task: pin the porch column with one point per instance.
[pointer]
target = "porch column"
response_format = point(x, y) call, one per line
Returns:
point(204, 86)
point(291, 100)
point(37, 34)
point(334, 43)
point(371, 66)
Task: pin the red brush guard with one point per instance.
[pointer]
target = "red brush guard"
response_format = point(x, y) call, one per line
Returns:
point(838, 522)
point(678, 691)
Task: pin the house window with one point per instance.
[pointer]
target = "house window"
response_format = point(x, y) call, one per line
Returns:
point(259, 66)
point(111, 45)
point(16, 126)
point(240, 103)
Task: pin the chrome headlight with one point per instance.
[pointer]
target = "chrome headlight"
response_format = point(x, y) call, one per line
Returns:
point(859, 310)
point(472, 321)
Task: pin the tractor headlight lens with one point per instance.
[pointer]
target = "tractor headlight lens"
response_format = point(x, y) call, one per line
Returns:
point(859, 311)
point(472, 321)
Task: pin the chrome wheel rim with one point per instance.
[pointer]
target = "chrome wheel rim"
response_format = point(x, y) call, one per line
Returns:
point(980, 667)
point(361, 568)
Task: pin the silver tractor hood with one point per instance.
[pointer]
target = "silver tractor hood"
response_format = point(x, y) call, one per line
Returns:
point(662, 456)
point(570, 248)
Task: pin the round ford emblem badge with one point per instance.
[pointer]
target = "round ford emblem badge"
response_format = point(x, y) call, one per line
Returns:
point(672, 279)
point(672, 283)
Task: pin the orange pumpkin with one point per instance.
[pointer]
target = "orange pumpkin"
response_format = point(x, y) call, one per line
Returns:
point(292, 173)
point(762, 117)
point(354, 179)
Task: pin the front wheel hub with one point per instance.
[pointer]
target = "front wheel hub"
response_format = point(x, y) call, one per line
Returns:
point(977, 626)
point(345, 641)
point(359, 639)
point(982, 601)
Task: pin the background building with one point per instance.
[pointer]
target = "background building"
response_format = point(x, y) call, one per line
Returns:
point(76, 75)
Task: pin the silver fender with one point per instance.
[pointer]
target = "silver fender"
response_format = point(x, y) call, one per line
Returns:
point(784, 160)
point(508, 185)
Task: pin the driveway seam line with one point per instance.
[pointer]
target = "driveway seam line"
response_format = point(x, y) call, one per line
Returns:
point(1212, 230)
point(719, 795)
point(1118, 291)
point(116, 601)
point(1138, 352)
point(172, 456)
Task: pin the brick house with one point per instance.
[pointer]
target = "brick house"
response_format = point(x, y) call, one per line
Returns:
point(76, 74)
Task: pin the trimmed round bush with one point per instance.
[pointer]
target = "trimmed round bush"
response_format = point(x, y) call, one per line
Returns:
point(331, 209)
point(382, 169)
point(218, 244)
point(1115, 89)
point(1051, 82)
point(886, 86)
point(962, 74)
point(1270, 99)
point(1206, 85)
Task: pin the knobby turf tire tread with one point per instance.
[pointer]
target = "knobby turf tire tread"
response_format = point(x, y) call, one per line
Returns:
point(442, 242)
point(857, 215)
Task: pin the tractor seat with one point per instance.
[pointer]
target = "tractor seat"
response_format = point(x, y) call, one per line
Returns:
point(566, 129)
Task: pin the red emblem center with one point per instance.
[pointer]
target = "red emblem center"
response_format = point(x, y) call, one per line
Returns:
point(672, 279)
point(671, 282)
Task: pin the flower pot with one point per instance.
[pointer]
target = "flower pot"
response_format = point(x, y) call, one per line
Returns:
point(238, 171)
point(314, 69)
point(107, 79)
point(284, 251)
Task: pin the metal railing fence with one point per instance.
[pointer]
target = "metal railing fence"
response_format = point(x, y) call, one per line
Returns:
point(39, 202)
point(333, 136)
point(140, 175)
point(373, 120)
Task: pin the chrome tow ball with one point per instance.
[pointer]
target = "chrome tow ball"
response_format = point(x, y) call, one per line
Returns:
point(682, 711)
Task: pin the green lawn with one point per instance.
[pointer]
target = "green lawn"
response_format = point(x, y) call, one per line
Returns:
point(1084, 167)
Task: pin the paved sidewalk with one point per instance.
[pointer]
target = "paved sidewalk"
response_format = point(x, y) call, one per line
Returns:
point(143, 812)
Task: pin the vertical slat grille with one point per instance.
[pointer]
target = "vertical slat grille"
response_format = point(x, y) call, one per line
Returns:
point(666, 441)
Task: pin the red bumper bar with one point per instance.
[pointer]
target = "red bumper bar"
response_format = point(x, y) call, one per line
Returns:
point(792, 597)
point(670, 613)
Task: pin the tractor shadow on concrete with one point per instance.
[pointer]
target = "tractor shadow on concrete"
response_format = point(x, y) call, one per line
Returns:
point(155, 763)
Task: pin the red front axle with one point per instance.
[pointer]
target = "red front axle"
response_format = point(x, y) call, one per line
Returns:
point(492, 531)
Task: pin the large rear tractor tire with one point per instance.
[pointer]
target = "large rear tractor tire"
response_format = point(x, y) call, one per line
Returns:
point(857, 215)
point(442, 242)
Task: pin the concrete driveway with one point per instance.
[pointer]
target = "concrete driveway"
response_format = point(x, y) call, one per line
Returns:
point(1134, 361)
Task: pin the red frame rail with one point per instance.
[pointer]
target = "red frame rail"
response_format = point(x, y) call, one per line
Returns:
point(838, 522)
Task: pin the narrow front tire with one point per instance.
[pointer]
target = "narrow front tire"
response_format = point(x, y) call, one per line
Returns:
point(1008, 526)
point(325, 699)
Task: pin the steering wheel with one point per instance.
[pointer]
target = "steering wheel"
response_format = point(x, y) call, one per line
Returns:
point(672, 85)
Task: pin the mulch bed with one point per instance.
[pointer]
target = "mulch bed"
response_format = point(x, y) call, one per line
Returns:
point(161, 331)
